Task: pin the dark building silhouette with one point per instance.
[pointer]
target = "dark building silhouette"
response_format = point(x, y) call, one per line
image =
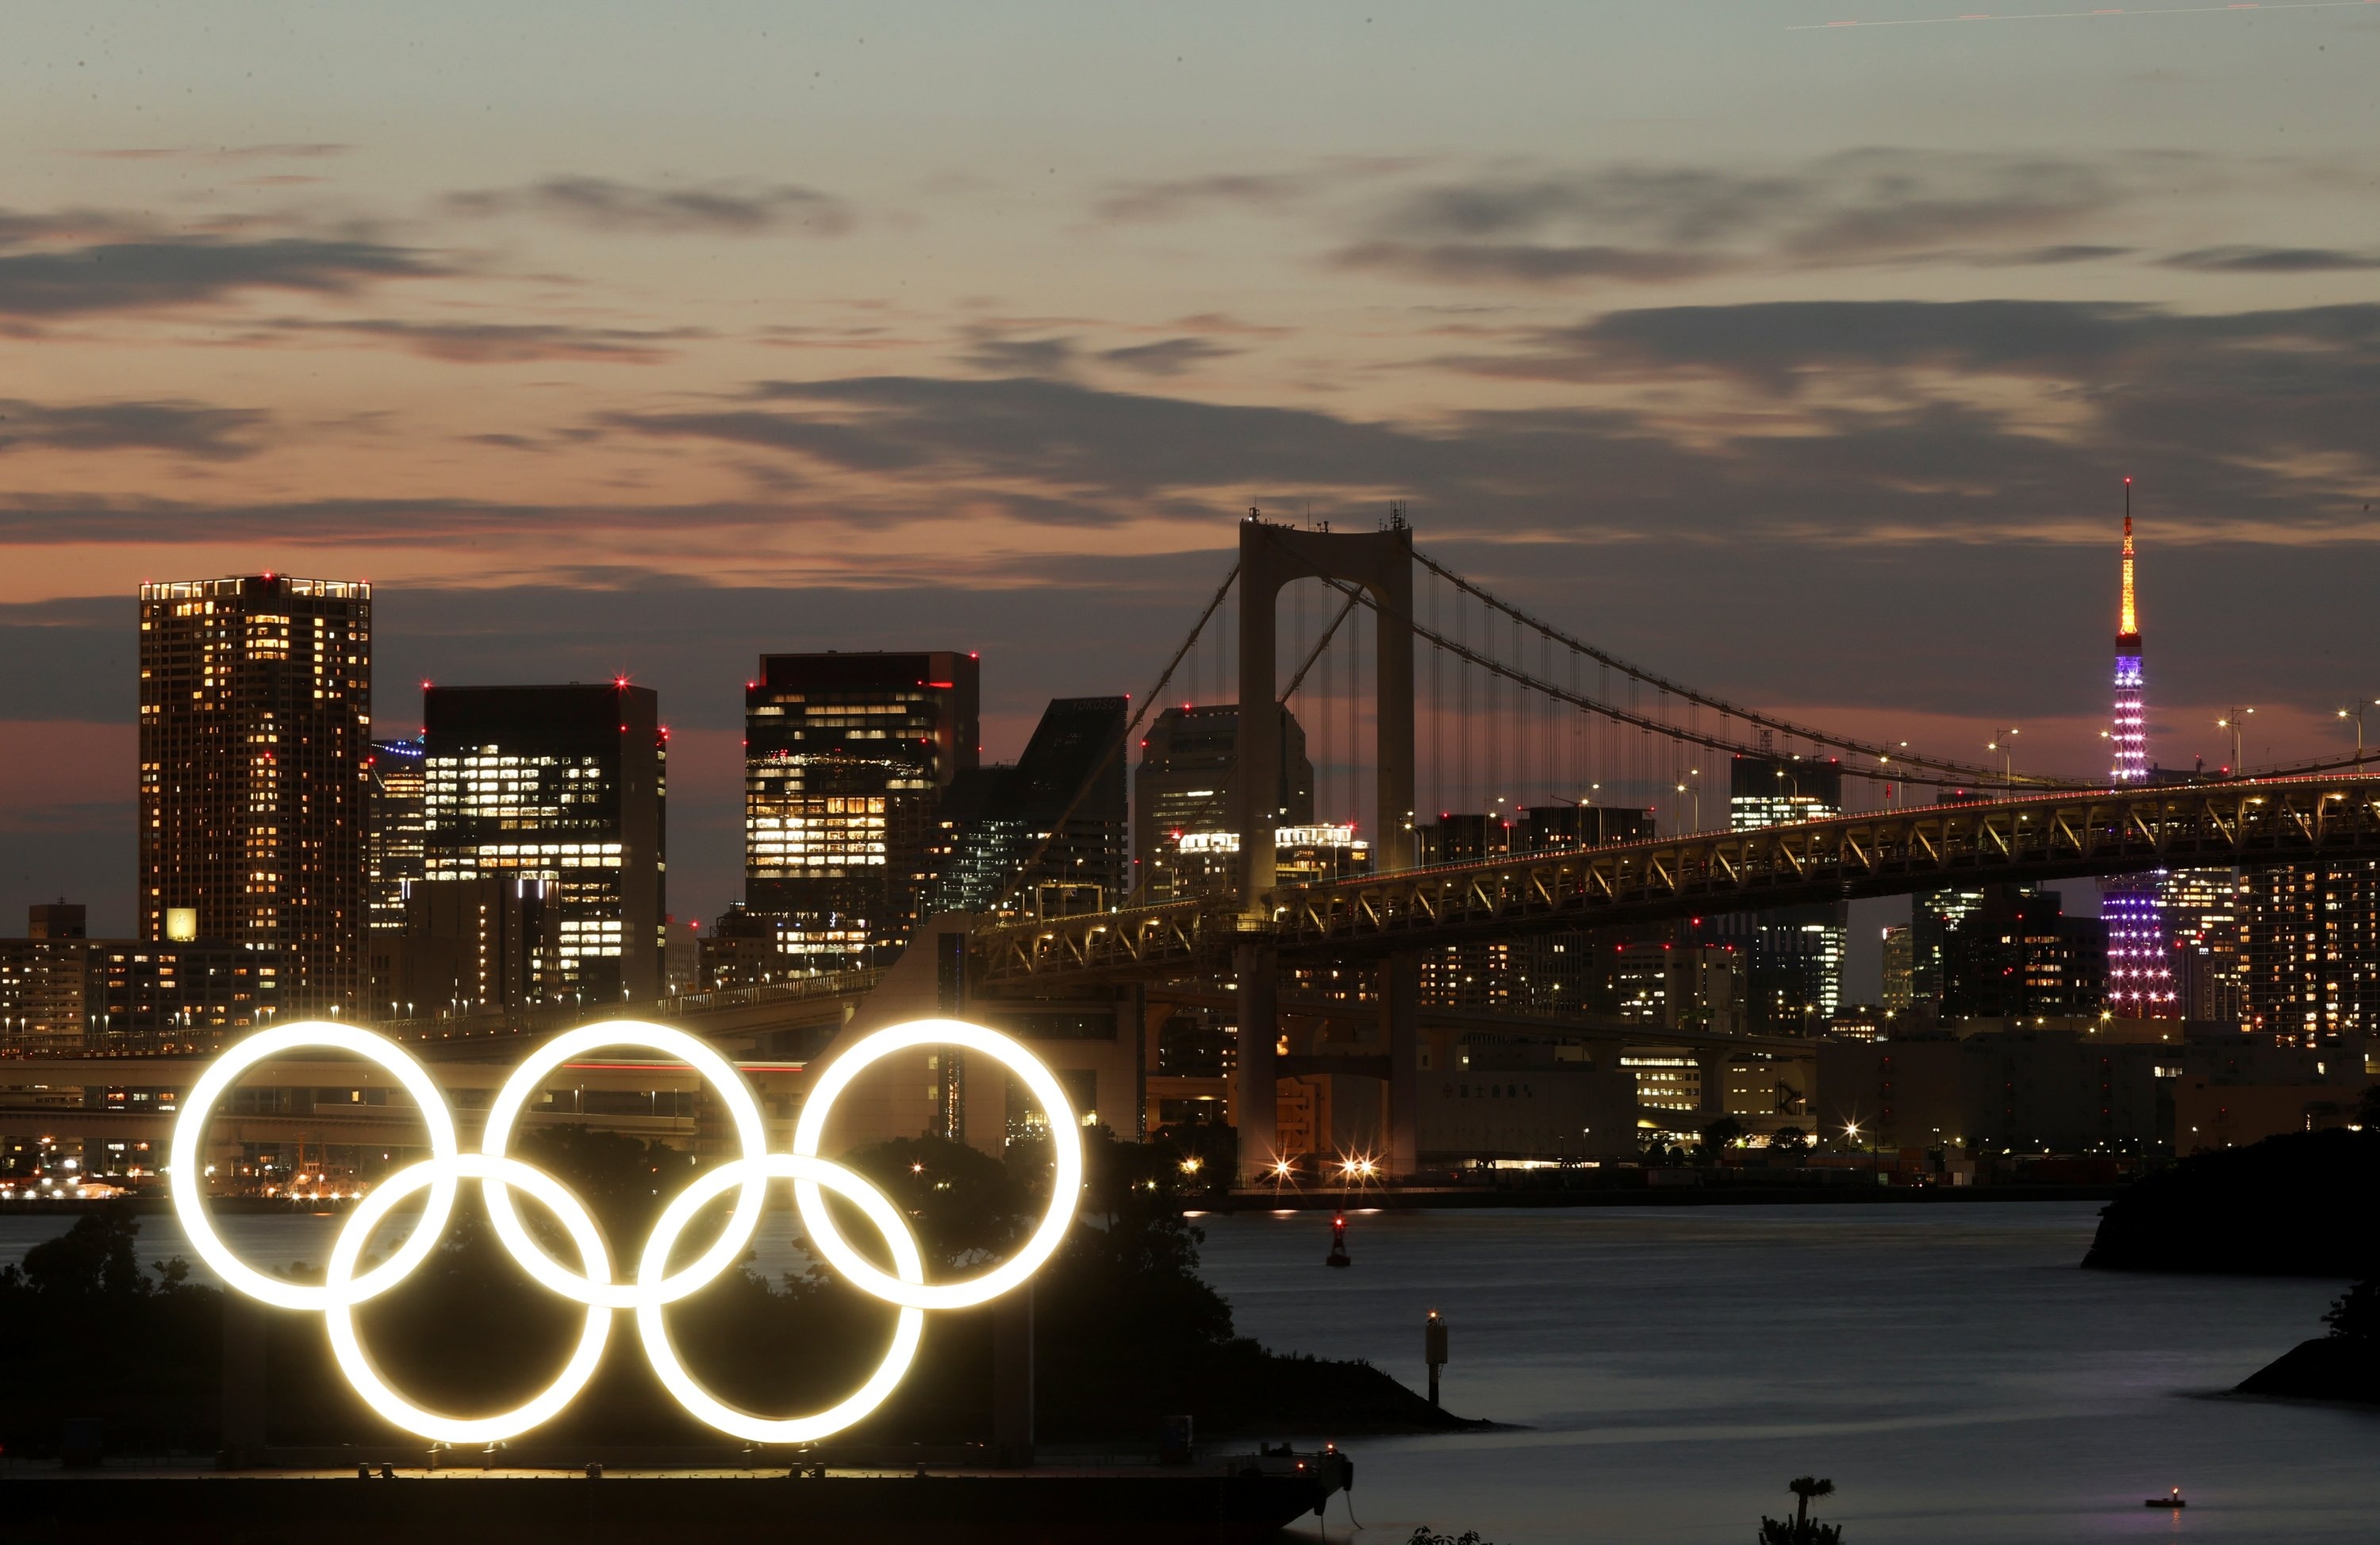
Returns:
point(1064, 800)
point(847, 759)
point(469, 946)
point(2018, 955)
point(255, 756)
point(565, 784)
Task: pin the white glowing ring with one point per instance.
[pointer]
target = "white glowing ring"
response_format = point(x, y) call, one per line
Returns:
point(653, 1325)
point(1064, 1136)
point(655, 1287)
point(339, 1315)
point(742, 1106)
point(188, 1160)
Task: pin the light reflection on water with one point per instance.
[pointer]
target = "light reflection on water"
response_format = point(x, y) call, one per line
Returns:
point(1947, 1366)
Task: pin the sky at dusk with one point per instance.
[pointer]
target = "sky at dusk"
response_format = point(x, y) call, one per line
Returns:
point(1801, 363)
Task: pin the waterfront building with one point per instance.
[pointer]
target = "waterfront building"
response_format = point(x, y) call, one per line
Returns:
point(2310, 951)
point(393, 837)
point(2019, 954)
point(1183, 789)
point(255, 763)
point(45, 984)
point(181, 995)
point(2140, 953)
point(567, 785)
point(846, 757)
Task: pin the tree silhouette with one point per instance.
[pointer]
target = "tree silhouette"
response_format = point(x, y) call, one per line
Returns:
point(1799, 1529)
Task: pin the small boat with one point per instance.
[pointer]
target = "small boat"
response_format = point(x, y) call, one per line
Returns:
point(2171, 1499)
point(1338, 1256)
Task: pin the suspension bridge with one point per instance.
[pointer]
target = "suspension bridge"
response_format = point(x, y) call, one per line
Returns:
point(1418, 689)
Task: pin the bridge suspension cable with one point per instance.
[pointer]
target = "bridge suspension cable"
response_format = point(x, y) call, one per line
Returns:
point(1884, 756)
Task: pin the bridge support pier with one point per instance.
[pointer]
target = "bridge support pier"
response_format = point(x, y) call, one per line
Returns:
point(1401, 1022)
point(1255, 1088)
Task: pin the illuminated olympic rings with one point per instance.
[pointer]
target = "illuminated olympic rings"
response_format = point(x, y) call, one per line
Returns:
point(655, 1285)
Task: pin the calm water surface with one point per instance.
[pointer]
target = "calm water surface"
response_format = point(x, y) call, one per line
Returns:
point(1947, 1366)
point(1669, 1370)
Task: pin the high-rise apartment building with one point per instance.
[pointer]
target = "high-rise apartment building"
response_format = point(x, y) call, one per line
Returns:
point(846, 757)
point(1189, 765)
point(2203, 912)
point(393, 837)
point(466, 946)
point(1046, 836)
point(255, 730)
point(2140, 954)
point(2310, 936)
point(45, 984)
point(565, 784)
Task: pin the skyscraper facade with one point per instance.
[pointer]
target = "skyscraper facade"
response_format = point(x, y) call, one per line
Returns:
point(846, 757)
point(2310, 947)
point(393, 837)
point(1793, 956)
point(1189, 765)
point(255, 763)
point(2139, 956)
point(565, 784)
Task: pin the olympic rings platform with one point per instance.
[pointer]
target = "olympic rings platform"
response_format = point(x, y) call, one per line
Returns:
point(1238, 1499)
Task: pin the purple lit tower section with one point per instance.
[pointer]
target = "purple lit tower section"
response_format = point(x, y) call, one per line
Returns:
point(2139, 957)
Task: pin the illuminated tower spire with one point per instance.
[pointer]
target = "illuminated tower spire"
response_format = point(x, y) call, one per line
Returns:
point(2128, 736)
point(2140, 958)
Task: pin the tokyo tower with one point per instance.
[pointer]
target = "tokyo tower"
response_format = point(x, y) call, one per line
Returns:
point(2139, 959)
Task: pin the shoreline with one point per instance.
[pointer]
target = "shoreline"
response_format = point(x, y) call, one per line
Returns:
point(1458, 1197)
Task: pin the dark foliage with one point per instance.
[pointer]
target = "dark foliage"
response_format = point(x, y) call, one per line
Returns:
point(2286, 1205)
point(1787, 1531)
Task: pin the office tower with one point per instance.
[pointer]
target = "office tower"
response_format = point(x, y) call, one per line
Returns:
point(1932, 915)
point(567, 784)
point(2203, 912)
point(45, 984)
point(1679, 987)
point(2311, 941)
point(2140, 963)
point(846, 759)
point(1189, 765)
point(1046, 836)
point(466, 946)
point(255, 728)
point(1793, 956)
point(1899, 969)
point(2019, 954)
point(1779, 790)
point(393, 839)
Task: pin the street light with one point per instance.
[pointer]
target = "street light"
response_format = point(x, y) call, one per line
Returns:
point(2356, 713)
point(2234, 720)
point(2000, 742)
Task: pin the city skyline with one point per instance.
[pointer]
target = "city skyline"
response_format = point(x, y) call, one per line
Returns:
point(1685, 368)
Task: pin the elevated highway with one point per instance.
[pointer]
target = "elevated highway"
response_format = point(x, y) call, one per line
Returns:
point(2245, 822)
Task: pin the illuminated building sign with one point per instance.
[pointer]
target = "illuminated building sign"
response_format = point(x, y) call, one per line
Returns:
point(653, 1286)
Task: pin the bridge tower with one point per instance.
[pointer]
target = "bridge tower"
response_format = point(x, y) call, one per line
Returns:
point(1380, 564)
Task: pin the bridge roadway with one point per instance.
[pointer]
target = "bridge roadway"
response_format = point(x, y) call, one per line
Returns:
point(2246, 822)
